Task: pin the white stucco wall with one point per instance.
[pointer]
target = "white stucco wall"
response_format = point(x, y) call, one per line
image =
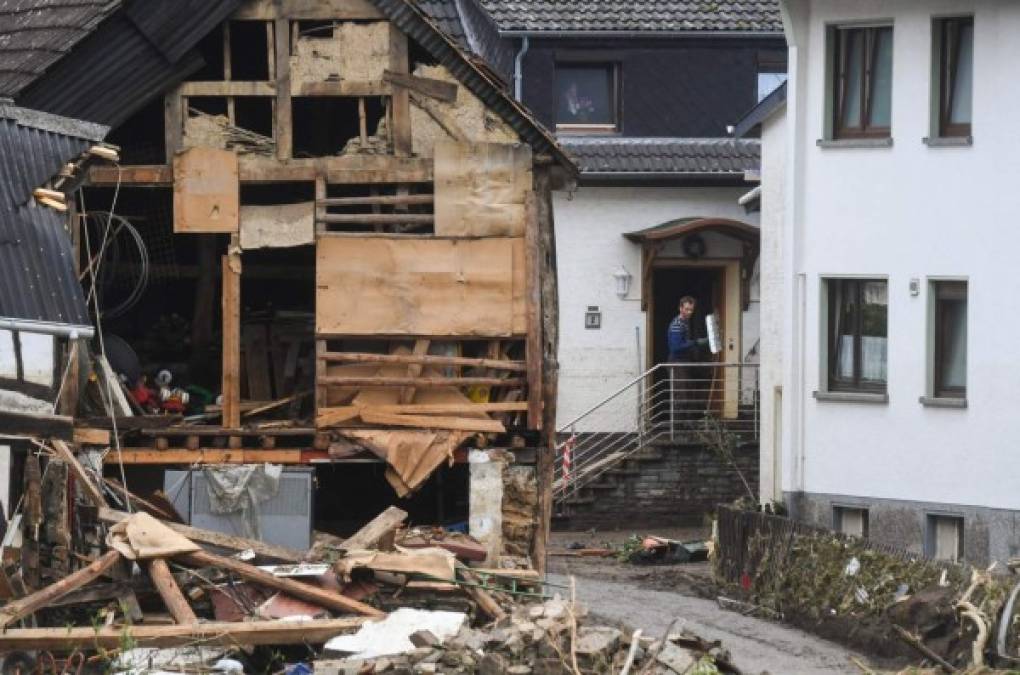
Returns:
point(770, 262)
point(908, 211)
point(589, 247)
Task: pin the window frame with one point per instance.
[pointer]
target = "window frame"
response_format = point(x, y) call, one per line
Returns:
point(931, 547)
point(839, 511)
point(836, 384)
point(19, 383)
point(944, 75)
point(936, 338)
point(615, 70)
point(837, 74)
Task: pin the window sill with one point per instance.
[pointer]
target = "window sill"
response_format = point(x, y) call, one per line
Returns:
point(942, 402)
point(854, 142)
point(850, 397)
point(948, 141)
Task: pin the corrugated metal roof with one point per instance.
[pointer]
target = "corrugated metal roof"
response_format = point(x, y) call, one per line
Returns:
point(35, 34)
point(422, 29)
point(649, 16)
point(37, 279)
point(663, 155)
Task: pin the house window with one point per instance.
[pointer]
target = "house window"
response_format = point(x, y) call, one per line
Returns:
point(944, 538)
point(587, 97)
point(852, 521)
point(862, 82)
point(949, 338)
point(954, 40)
point(857, 334)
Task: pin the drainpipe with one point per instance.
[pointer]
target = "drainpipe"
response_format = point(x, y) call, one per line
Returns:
point(518, 72)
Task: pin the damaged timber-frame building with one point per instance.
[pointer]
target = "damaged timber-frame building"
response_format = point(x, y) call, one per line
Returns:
point(309, 238)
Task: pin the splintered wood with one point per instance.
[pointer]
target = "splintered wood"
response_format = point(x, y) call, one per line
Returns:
point(383, 286)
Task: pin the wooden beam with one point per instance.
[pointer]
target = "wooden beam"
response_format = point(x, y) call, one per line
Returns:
point(144, 175)
point(283, 124)
point(340, 10)
point(400, 100)
point(441, 117)
point(19, 609)
point(228, 88)
point(425, 359)
point(377, 199)
point(227, 634)
point(91, 436)
point(437, 89)
point(381, 381)
point(319, 596)
point(212, 456)
point(421, 348)
point(173, 123)
point(533, 308)
point(174, 600)
point(428, 422)
point(377, 218)
point(85, 480)
point(341, 88)
point(217, 539)
point(37, 424)
point(374, 530)
point(231, 305)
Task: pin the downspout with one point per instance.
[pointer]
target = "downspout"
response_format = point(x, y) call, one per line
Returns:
point(518, 71)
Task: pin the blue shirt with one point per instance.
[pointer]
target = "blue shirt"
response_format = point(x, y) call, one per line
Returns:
point(678, 339)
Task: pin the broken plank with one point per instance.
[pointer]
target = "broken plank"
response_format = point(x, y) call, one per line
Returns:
point(276, 404)
point(333, 416)
point(19, 609)
point(421, 381)
point(370, 416)
point(421, 348)
point(91, 489)
point(91, 436)
point(437, 89)
point(174, 600)
point(214, 633)
point(211, 456)
point(215, 538)
point(377, 528)
point(425, 359)
point(319, 596)
point(485, 601)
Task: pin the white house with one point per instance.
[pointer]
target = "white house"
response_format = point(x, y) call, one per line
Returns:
point(898, 299)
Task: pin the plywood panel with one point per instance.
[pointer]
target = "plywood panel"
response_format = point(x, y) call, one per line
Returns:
point(379, 286)
point(481, 189)
point(206, 191)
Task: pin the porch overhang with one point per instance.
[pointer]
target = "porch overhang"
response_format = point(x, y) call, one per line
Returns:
point(654, 239)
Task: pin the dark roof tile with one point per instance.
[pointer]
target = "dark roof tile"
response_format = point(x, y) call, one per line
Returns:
point(663, 155)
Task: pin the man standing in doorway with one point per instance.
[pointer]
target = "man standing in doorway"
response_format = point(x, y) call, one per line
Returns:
point(683, 349)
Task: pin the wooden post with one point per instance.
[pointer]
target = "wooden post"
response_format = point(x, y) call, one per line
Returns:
point(174, 113)
point(401, 99)
point(89, 487)
point(421, 347)
point(231, 339)
point(533, 304)
point(284, 121)
point(228, 71)
point(362, 121)
point(174, 600)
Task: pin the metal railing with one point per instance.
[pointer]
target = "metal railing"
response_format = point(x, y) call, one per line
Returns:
point(669, 403)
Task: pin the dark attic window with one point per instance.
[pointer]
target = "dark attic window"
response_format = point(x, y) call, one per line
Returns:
point(324, 124)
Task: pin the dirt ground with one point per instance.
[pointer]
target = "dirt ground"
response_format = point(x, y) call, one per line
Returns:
point(649, 597)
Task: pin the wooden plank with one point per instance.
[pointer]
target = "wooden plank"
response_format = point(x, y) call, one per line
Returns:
point(481, 188)
point(91, 436)
point(13, 611)
point(421, 348)
point(319, 596)
point(227, 634)
point(377, 199)
point(341, 88)
point(485, 601)
point(376, 218)
point(403, 286)
point(206, 191)
point(283, 124)
point(437, 89)
point(425, 359)
point(217, 539)
point(388, 381)
point(231, 307)
point(212, 456)
point(37, 424)
point(85, 480)
point(167, 588)
point(533, 303)
point(435, 408)
point(144, 175)
point(400, 101)
point(370, 416)
point(341, 10)
point(229, 88)
point(368, 537)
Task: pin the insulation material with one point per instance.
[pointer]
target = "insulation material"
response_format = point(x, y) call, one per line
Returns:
point(357, 52)
point(481, 189)
point(206, 191)
point(520, 509)
point(216, 131)
point(277, 226)
point(473, 120)
point(378, 286)
point(141, 537)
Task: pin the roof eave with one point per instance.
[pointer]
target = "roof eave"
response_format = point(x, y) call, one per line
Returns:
point(516, 33)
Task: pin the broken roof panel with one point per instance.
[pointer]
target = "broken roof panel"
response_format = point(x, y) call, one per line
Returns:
point(648, 16)
point(623, 156)
point(35, 34)
point(38, 285)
